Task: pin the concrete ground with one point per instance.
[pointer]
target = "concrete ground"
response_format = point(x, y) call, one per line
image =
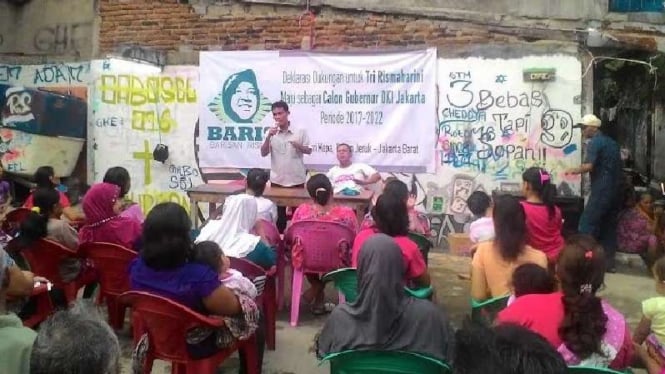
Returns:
point(625, 290)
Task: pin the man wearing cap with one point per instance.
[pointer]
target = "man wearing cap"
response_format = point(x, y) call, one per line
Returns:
point(603, 163)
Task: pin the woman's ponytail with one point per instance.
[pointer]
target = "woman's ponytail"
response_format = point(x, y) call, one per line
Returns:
point(541, 183)
point(581, 270)
point(320, 189)
point(322, 196)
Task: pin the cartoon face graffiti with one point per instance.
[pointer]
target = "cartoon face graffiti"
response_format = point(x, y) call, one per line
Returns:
point(19, 103)
point(557, 126)
point(462, 188)
point(17, 106)
point(240, 100)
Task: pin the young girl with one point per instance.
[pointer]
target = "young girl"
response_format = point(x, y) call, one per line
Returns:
point(543, 218)
point(493, 263)
point(399, 189)
point(482, 229)
point(586, 330)
point(209, 253)
point(652, 326)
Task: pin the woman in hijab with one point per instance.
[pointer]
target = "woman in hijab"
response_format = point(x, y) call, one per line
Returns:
point(102, 206)
point(384, 317)
point(233, 232)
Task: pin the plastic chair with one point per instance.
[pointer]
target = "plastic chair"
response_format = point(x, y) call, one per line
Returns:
point(594, 370)
point(167, 323)
point(265, 287)
point(43, 257)
point(384, 362)
point(420, 293)
point(112, 264)
point(322, 243)
point(43, 306)
point(346, 281)
point(13, 220)
point(486, 311)
point(275, 240)
point(423, 244)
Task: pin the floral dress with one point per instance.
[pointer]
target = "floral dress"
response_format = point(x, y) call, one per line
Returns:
point(338, 213)
point(635, 231)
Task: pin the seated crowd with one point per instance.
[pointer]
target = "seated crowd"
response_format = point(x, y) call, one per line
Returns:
point(553, 317)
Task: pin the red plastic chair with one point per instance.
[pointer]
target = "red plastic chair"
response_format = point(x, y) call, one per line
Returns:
point(43, 257)
point(44, 306)
point(275, 240)
point(112, 264)
point(265, 287)
point(167, 323)
point(322, 242)
point(13, 220)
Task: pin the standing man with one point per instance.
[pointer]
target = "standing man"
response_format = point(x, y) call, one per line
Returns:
point(603, 162)
point(286, 147)
point(348, 174)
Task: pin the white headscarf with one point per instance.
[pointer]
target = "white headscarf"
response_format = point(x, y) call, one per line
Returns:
point(231, 232)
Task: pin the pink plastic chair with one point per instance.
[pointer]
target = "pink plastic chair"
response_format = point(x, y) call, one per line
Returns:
point(275, 240)
point(322, 242)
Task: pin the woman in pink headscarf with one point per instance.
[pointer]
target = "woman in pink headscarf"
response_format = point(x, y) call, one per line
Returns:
point(102, 206)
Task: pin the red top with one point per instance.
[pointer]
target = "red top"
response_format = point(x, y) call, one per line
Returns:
point(544, 233)
point(64, 201)
point(413, 259)
point(544, 314)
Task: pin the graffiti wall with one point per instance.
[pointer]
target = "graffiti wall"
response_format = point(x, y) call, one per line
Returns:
point(44, 109)
point(133, 108)
point(492, 125)
point(494, 122)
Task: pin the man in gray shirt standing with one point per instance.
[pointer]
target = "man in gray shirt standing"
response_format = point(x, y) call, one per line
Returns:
point(286, 147)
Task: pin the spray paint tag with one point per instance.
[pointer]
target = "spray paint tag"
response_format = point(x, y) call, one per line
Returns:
point(437, 204)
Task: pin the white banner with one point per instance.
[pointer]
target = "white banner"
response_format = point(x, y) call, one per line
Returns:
point(384, 105)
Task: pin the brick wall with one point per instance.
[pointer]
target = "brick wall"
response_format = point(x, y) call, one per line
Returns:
point(169, 26)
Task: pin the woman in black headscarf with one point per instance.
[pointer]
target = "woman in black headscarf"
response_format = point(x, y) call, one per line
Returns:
point(384, 317)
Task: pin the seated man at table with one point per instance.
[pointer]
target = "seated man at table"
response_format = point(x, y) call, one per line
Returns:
point(351, 175)
point(323, 209)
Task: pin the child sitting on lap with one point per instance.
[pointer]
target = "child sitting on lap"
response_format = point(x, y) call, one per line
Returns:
point(209, 253)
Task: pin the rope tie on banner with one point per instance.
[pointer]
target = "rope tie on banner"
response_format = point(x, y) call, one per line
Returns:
point(311, 19)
